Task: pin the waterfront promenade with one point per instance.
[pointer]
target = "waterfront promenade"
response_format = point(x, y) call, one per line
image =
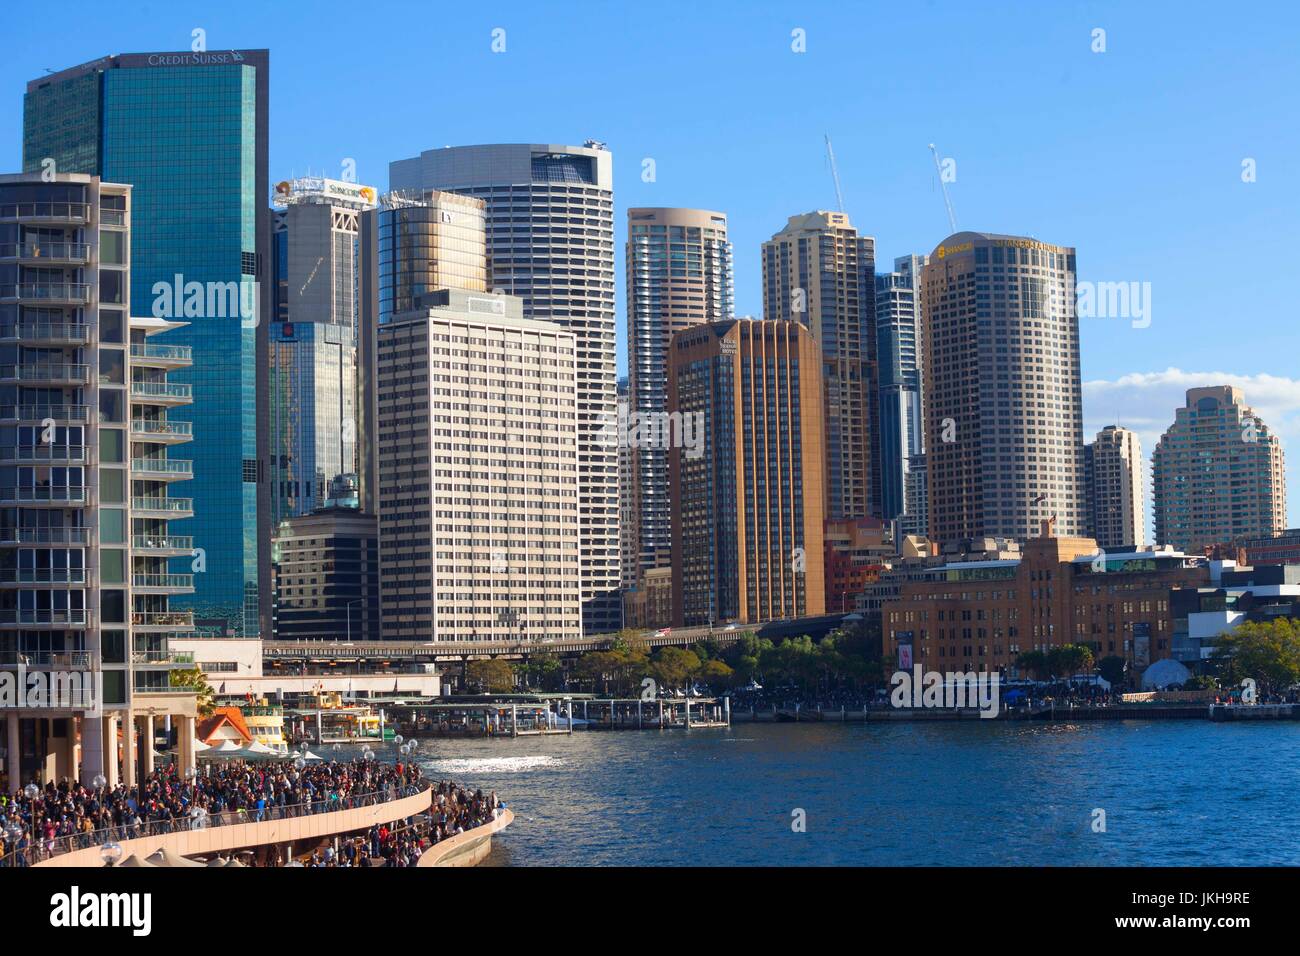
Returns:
point(283, 806)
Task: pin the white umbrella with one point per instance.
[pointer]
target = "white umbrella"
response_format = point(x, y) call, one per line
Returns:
point(161, 857)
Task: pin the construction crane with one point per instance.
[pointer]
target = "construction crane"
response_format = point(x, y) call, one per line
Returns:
point(835, 173)
point(938, 168)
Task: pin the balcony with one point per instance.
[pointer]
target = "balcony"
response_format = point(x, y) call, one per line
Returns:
point(46, 373)
point(50, 577)
point(163, 545)
point(160, 430)
point(163, 507)
point(77, 213)
point(66, 659)
point(163, 583)
point(162, 393)
point(46, 293)
point(44, 494)
point(51, 536)
point(162, 469)
point(46, 333)
point(46, 617)
point(161, 356)
point(44, 454)
point(39, 414)
point(45, 252)
point(166, 658)
point(162, 620)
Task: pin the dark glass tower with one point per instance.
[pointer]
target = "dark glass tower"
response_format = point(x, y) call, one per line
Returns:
point(189, 132)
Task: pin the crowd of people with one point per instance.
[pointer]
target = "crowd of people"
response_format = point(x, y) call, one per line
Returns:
point(74, 816)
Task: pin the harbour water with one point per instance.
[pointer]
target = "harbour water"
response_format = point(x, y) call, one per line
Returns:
point(969, 793)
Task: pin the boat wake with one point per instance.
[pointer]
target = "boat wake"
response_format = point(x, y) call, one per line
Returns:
point(470, 765)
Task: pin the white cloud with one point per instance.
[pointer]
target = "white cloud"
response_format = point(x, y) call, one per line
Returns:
point(1146, 401)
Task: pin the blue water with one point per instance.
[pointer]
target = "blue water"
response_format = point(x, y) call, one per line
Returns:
point(969, 793)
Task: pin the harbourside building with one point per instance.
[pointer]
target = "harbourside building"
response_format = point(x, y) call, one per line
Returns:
point(858, 551)
point(982, 615)
point(679, 274)
point(748, 518)
point(200, 222)
point(1218, 473)
point(1280, 548)
point(1003, 397)
point(819, 272)
point(1234, 595)
point(327, 576)
point(1113, 477)
point(313, 340)
point(478, 472)
point(87, 436)
point(550, 242)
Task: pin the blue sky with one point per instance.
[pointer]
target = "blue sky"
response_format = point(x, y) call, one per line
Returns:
point(1134, 155)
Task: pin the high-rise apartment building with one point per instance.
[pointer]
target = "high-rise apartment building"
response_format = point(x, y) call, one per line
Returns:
point(1113, 469)
point(679, 274)
point(819, 272)
point(898, 354)
point(85, 468)
point(313, 341)
point(747, 521)
point(188, 131)
point(1217, 473)
point(550, 239)
point(1003, 398)
point(477, 455)
point(627, 574)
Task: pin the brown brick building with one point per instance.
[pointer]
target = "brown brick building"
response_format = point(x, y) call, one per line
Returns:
point(981, 615)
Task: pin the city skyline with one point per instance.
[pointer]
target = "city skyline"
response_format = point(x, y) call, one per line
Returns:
point(1148, 207)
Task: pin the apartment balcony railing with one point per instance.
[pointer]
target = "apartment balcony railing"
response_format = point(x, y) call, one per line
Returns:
point(59, 536)
point(162, 657)
point(162, 355)
point(58, 333)
point(162, 618)
point(69, 659)
point(76, 212)
point(46, 250)
point(162, 391)
point(67, 494)
point(70, 293)
point(52, 372)
point(61, 454)
point(51, 576)
point(167, 507)
point(36, 617)
point(164, 468)
point(169, 543)
point(163, 582)
point(39, 413)
point(148, 429)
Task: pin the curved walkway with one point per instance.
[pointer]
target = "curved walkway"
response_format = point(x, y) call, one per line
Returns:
point(293, 823)
point(468, 848)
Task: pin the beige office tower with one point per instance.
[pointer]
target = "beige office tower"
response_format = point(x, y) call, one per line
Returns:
point(478, 490)
point(408, 247)
point(550, 241)
point(679, 274)
point(1217, 473)
point(1113, 466)
point(1003, 399)
point(819, 272)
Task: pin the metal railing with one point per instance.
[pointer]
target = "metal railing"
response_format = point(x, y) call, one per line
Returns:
point(71, 211)
point(45, 535)
point(49, 452)
point(162, 504)
point(47, 291)
point(70, 493)
point(48, 849)
point(162, 580)
point(170, 353)
point(163, 657)
point(79, 659)
point(162, 390)
point(46, 331)
point(43, 575)
point(46, 249)
point(162, 542)
point(163, 466)
point(152, 426)
point(46, 372)
point(38, 413)
point(162, 618)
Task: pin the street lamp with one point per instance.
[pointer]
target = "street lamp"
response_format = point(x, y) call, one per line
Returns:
point(110, 853)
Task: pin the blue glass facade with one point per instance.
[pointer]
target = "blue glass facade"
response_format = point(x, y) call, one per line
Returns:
point(188, 132)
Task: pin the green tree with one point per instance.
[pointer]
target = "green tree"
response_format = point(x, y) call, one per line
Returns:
point(491, 676)
point(1033, 663)
point(1268, 652)
point(1112, 669)
point(191, 678)
point(673, 667)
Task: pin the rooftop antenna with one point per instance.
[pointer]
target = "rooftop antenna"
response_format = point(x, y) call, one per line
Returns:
point(835, 174)
point(938, 168)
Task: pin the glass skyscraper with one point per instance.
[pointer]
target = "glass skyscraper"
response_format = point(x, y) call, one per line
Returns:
point(897, 348)
point(188, 131)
